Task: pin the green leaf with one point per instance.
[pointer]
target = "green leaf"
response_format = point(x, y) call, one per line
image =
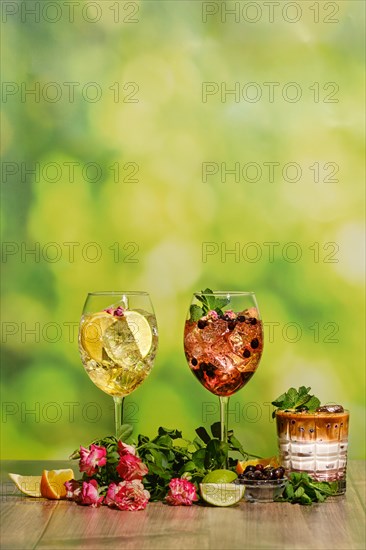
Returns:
point(180, 443)
point(221, 303)
point(216, 429)
point(313, 403)
point(301, 401)
point(235, 445)
point(278, 402)
point(141, 439)
point(303, 390)
point(164, 440)
point(291, 397)
point(189, 466)
point(199, 458)
point(319, 496)
point(294, 399)
point(198, 443)
point(203, 434)
point(207, 291)
point(172, 433)
point(125, 432)
point(299, 492)
point(305, 499)
point(289, 491)
point(211, 301)
point(196, 312)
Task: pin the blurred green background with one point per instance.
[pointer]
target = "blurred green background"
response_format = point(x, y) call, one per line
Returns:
point(118, 130)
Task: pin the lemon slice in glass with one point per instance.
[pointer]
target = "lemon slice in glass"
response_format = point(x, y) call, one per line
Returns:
point(92, 331)
point(141, 331)
point(222, 494)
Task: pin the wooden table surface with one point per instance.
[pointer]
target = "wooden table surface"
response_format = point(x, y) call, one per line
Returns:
point(28, 523)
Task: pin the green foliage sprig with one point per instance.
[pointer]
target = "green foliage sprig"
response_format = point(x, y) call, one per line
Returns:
point(208, 303)
point(301, 489)
point(169, 455)
point(296, 399)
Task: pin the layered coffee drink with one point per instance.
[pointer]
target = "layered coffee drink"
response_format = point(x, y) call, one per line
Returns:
point(315, 443)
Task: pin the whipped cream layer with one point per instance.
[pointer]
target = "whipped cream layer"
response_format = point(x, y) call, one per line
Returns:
point(314, 443)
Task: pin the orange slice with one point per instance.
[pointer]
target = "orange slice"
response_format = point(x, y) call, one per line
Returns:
point(52, 483)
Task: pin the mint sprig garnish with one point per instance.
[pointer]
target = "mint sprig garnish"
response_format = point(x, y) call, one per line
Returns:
point(296, 400)
point(301, 489)
point(209, 302)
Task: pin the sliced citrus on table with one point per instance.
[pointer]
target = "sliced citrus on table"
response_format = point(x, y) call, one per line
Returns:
point(270, 461)
point(219, 476)
point(28, 485)
point(52, 483)
point(222, 494)
point(91, 333)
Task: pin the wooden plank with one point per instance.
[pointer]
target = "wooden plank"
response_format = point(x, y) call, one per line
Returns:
point(23, 520)
point(338, 524)
point(159, 526)
point(356, 475)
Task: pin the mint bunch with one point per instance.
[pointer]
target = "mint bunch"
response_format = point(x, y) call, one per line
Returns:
point(208, 303)
point(297, 400)
point(301, 489)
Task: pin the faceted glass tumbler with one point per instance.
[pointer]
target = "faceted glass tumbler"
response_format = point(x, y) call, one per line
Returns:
point(315, 443)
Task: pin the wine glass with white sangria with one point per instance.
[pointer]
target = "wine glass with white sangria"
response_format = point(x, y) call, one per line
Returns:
point(118, 341)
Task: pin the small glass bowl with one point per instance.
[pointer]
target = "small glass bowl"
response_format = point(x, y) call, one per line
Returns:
point(263, 490)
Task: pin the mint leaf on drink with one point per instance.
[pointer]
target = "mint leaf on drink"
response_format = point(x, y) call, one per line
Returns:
point(196, 312)
point(313, 403)
point(209, 302)
point(296, 400)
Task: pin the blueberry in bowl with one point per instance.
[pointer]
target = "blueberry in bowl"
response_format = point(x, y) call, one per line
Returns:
point(262, 484)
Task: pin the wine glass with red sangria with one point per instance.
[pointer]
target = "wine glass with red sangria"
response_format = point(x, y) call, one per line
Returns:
point(223, 343)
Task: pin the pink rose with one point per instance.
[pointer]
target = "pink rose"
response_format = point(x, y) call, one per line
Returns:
point(181, 492)
point(73, 490)
point(89, 494)
point(124, 449)
point(130, 467)
point(127, 495)
point(91, 459)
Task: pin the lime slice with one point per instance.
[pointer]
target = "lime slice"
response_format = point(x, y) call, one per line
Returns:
point(220, 476)
point(28, 485)
point(222, 494)
point(91, 333)
point(141, 331)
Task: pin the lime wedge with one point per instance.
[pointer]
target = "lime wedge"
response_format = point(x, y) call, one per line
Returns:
point(222, 494)
point(91, 333)
point(220, 476)
point(28, 485)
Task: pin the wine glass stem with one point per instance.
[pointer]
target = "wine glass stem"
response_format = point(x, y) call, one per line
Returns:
point(224, 404)
point(118, 414)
